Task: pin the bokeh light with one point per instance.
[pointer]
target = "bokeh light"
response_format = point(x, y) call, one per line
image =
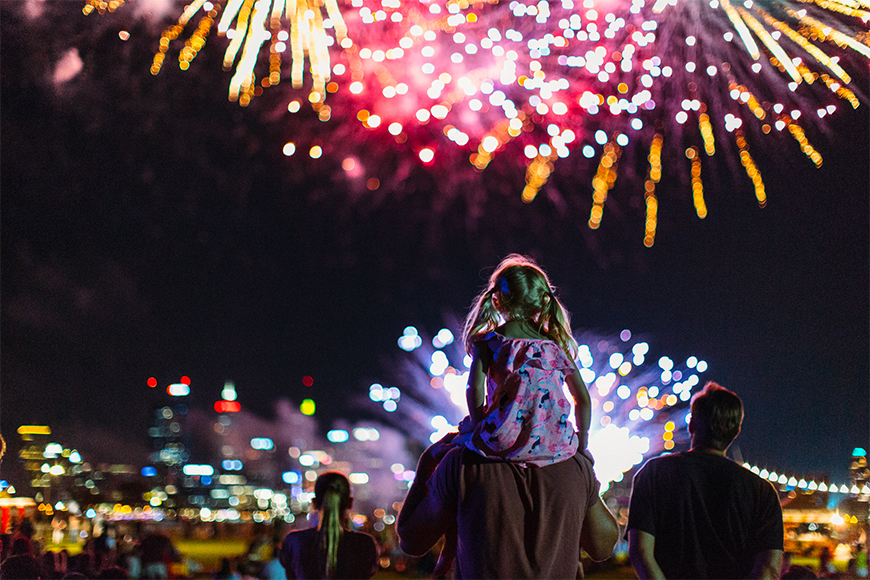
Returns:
point(637, 400)
point(307, 407)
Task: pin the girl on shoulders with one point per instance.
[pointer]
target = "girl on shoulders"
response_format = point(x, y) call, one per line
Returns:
point(519, 336)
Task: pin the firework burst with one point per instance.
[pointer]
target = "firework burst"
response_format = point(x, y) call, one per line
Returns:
point(658, 85)
point(640, 402)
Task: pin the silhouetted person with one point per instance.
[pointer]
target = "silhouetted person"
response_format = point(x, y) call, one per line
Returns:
point(21, 545)
point(795, 572)
point(112, 573)
point(511, 521)
point(20, 567)
point(157, 555)
point(331, 550)
point(227, 571)
point(700, 515)
point(825, 558)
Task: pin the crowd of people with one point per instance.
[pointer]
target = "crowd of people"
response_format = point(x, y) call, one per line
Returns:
point(514, 493)
point(22, 557)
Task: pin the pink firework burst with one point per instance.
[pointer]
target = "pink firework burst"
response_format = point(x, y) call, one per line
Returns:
point(638, 88)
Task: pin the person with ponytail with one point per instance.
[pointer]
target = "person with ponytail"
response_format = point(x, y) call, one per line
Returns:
point(330, 550)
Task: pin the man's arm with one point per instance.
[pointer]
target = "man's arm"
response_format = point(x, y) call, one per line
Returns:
point(641, 552)
point(422, 521)
point(766, 565)
point(600, 532)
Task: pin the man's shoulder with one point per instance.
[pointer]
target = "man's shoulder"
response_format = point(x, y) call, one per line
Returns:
point(664, 461)
point(706, 463)
point(466, 457)
point(574, 475)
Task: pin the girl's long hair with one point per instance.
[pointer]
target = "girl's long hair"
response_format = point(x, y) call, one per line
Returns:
point(332, 498)
point(523, 291)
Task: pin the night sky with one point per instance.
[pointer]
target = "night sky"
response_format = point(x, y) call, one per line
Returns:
point(152, 228)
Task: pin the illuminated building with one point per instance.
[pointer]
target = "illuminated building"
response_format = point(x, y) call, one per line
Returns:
point(45, 462)
point(859, 473)
point(170, 445)
point(61, 480)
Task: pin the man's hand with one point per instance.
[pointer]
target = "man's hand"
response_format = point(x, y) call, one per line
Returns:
point(421, 521)
point(641, 552)
point(767, 565)
point(440, 448)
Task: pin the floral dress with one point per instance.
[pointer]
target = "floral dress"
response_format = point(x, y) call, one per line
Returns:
point(527, 410)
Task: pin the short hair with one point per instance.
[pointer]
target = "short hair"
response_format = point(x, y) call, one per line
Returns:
point(716, 416)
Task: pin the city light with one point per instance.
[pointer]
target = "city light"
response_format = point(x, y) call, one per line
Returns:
point(337, 436)
point(366, 434)
point(228, 393)
point(193, 469)
point(263, 443)
point(307, 407)
point(34, 430)
point(52, 450)
point(227, 407)
point(178, 389)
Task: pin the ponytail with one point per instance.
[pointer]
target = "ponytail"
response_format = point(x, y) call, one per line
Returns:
point(331, 530)
point(332, 498)
point(482, 318)
point(556, 322)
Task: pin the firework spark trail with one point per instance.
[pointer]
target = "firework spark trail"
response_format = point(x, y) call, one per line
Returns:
point(544, 82)
point(639, 405)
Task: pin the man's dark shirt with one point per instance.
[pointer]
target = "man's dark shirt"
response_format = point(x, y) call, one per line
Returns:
point(709, 515)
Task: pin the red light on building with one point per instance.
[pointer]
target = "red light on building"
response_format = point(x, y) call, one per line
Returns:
point(227, 407)
point(307, 380)
point(185, 380)
point(152, 382)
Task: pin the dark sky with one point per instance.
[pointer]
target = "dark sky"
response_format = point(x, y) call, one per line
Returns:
point(152, 228)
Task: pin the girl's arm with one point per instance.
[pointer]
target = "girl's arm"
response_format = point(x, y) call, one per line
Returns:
point(475, 393)
point(582, 406)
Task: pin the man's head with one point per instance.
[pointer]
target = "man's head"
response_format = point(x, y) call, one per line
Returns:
point(716, 417)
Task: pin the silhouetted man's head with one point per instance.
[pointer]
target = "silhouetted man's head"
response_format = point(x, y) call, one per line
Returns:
point(716, 417)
